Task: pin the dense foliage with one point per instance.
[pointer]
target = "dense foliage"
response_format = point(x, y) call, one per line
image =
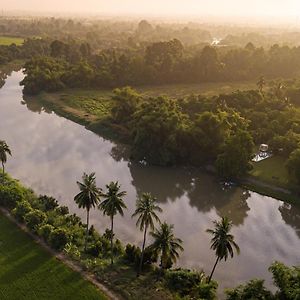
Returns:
point(76, 64)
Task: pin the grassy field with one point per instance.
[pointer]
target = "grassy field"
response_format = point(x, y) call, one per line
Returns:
point(272, 170)
point(7, 40)
point(91, 105)
point(29, 272)
point(206, 89)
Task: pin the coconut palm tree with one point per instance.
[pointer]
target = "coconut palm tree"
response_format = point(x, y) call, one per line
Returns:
point(113, 204)
point(166, 244)
point(4, 150)
point(146, 211)
point(88, 197)
point(222, 241)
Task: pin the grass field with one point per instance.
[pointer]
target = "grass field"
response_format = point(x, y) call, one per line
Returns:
point(206, 89)
point(91, 105)
point(29, 272)
point(7, 40)
point(272, 170)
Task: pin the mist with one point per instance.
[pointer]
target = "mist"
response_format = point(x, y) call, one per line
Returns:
point(285, 10)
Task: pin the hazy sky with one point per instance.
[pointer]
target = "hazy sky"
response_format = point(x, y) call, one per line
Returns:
point(160, 7)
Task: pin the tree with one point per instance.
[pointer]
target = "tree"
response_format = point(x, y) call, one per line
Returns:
point(88, 197)
point(146, 211)
point(254, 289)
point(261, 83)
point(166, 245)
point(235, 159)
point(287, 280)
point(4, 150)
point(222, 242)
point(112, 204)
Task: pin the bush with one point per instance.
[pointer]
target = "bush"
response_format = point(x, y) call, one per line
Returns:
point(205, 290)
point(72, 251)
point(48, 203)
point(95, 249)
point(45, 230)
point(58, 238)
point(10, 195)
point(254, 289)
point(132, 253)
point(22, 208)
point(35, 218)
point(183, 281)
point(63, 210)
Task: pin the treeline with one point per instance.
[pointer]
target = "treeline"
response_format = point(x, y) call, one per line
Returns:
point(79, 65)
point(197, 130)
point(65, 232)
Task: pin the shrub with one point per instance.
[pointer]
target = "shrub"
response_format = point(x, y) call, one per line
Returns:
point(22, 208)
point(10, 195)
point(132, 253)
point(48, 203)
point(118, 248)
point(205, 290)
point(254, 289)
point(72, 251)
point(63, 210)
point(183, 281)
point(34, 218)
point(45, 230)
point(58, 238)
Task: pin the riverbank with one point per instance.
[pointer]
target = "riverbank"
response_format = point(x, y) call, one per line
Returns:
point(92, 110)
point(41, 218)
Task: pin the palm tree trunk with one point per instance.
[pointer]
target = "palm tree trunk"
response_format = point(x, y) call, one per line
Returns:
point(213, 270)
point(142, 254)
point(3, 168)
point(111, 240)
point(87, 228)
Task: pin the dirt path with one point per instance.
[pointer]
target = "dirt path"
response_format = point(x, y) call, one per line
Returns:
point(63, 258)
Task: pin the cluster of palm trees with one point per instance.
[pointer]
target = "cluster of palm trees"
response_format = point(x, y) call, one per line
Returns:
point(165, 244)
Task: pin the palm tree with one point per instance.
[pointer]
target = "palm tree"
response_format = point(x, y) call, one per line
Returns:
point(166, 244)
point(146, 210)
point(88, 197)
point(4, 150)
point(222, 242)
point(111, 205)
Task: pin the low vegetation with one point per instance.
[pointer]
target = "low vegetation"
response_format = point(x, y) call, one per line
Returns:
point(29, 272)
point(7, 41)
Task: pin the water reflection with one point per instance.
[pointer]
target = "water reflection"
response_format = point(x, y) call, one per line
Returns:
point(50, 154)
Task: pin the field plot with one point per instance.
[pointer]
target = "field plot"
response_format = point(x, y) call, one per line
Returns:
point(29, 272)
point(7, 40)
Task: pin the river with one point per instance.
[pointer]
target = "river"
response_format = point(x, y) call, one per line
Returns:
point(50, 153)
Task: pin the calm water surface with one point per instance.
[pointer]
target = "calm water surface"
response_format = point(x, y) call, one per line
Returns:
point(50, 153)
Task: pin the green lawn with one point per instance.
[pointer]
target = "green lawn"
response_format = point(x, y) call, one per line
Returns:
point(7, 40)
point(272, 170)
point(207, 89)
point(28, 272)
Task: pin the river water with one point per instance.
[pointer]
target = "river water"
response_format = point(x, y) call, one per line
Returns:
point(50, 153)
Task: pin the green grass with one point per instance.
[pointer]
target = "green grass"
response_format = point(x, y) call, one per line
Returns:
point(206, 89)
point(272, 170)
point(7, 40)
point(29, 272)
